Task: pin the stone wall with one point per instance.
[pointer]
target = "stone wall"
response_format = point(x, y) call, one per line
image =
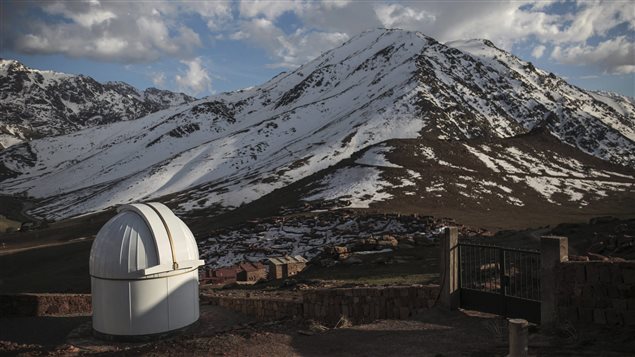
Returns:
point(264, 309)
point(366, 304)
point(596, 292)
point(45, 304)
point(358, 305)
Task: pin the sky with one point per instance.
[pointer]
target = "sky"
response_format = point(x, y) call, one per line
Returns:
point(207, 47)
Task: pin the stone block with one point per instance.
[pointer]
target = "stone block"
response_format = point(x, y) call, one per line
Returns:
point(592, 274)
point(628, 275)
point(576, 300)
point(613, 292)
point(381, 314)
point(602, 303)
point(599, 317)
point(613, 317)
point(585, 315)
point(629, 318)
point(412, 292)
point(587, 292)
point(404, 312)
point(600, 290)
point(390, 312)
point(580, 273)
point(568, 313)
point(588, 302)
point(619, 304)
point(604, 271)
point(564, 300)
point(577, 291)
point(616, 274)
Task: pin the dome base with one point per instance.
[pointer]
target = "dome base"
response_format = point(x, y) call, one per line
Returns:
point(146, 338)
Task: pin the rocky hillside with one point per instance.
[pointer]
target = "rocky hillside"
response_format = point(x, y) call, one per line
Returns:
point(36, 104)
point(338, 127)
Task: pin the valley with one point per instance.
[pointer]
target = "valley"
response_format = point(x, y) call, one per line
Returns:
point(390, 128)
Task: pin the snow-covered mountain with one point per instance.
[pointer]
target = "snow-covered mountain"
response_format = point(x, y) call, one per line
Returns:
point(230, 149)
point(35, 103)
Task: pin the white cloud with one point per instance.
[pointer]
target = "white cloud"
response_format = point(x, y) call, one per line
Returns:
point(270, 9)
point(596, 19)
point(158, 79)
point(616, 56)
point(196, 79)
point(287, 50)
point(504, 22)
point(114, 31)
point(85, 14)
point(146, 31)
point(215, 13)
point(538, 51)
point(624, 69)
point(395, 15)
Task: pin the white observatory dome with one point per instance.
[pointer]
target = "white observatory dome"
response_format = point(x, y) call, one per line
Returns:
point(144, 273)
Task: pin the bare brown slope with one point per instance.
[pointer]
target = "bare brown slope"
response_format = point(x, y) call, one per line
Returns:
point(462, 174)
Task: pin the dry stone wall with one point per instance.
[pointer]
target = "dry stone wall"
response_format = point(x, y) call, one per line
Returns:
point(264, 309)
point(367, 304)
point(358, 305)
point(45, 304)
point(596, 292)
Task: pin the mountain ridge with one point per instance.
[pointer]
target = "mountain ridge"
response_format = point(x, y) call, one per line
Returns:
point(39, 103)
point(230, 149)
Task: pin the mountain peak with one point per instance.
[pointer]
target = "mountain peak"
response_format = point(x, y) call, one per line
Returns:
point(65, 103)
point(383, 85)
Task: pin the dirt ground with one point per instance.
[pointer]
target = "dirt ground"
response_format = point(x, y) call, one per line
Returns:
point(436, 332)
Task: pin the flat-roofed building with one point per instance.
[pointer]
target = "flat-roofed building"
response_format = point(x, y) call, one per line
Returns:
point(284, 267)
point(252, 272)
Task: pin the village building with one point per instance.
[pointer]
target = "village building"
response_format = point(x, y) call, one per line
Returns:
point(251, 272)
point(284, 267)
point(224, 275)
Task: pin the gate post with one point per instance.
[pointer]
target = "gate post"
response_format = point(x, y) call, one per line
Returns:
point(449, 268)
point(553, 250)
point(518, 341)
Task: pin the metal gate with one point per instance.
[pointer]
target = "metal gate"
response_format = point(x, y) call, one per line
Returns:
point(499, 280)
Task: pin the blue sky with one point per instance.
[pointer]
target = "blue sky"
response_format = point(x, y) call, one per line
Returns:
point(206, 47)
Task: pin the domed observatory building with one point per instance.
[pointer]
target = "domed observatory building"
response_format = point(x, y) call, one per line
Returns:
point(144, 273)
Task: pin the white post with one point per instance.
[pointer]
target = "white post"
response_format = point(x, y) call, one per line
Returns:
point(449, 268)
point(518, 339)
point(553, 251)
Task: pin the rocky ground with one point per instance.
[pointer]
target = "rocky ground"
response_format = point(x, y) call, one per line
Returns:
point(436, 332)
